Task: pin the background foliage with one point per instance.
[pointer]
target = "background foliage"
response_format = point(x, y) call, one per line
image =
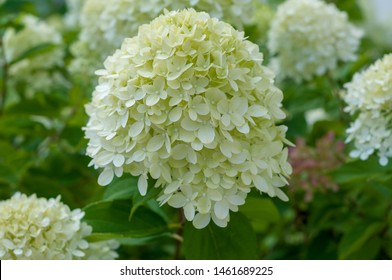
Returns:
point(42, 151)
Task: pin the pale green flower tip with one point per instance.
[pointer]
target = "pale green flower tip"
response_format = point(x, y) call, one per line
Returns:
point(39, 228)
point(305, 42)
point(188, 103)
point(369, 97)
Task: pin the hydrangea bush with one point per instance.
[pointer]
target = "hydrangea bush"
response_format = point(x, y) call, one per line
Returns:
point(188, 103)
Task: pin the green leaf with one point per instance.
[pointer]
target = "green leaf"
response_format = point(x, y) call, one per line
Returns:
point(322, 247)
point(362, 171)
point(124, 239)
point(236, 241)
point(111, 217)
point(356, 237)
point(121, 189)
point(126, 189)
point(139, 200)
point(9, 20)
point(260, 212)
point(368, 251)
point(37, 50)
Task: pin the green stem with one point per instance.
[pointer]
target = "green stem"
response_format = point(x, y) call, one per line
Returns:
point(178, 235)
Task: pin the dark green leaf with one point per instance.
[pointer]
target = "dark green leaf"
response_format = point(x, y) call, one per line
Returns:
point(139, 200)
point(260, 212)
point(127, 188)
point(121, 189)
point(236, 241)
point(111, 217)
point(124, 240)
point(356, 237)
point(368, 251)
point(360, 170)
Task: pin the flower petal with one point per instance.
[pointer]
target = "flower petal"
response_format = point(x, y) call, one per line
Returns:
point(142, 185)
point(201, 220)
point(206, 134)
point(106, 177)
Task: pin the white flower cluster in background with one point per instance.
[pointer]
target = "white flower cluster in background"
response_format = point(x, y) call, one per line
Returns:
point(188, 102)
point(377, 20)
point(46, 229)
point(74, 9)
point(34, 70)
point(106, 23)
point(369, 96)
point(309, 37)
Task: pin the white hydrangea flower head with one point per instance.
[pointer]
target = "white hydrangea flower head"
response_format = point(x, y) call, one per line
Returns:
point(370, 94)
point(188, 102)
point(46, 229)
point(105, 24)
point(309, 37)
point(33, 70)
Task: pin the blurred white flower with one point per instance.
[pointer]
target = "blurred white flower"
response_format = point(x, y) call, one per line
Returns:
point(35, 70)
point(74, 9)
point(315, 115)
point(378, 20)
point(188, 103)
point(46, 229)
point(309, 37)
point(369, 96)
point(106, 23)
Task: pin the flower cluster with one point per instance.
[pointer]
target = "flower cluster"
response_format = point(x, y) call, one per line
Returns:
point(105, 24)
point(369, 96)
point(311, 165)
point(187, 102)
point(309, 37)
point(34, 70)
point(38, 228)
